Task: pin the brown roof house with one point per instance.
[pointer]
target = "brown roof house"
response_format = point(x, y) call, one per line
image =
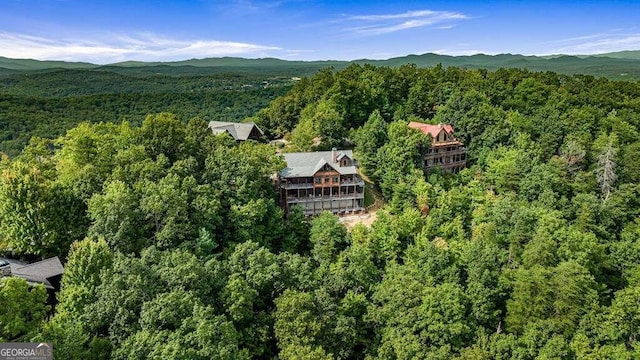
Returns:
point(321, 181)
point(446, 152)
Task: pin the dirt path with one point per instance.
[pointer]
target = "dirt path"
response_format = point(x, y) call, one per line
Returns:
point(364, 219)
point(368, 218)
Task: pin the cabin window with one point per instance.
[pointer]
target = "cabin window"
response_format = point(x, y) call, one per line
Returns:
point(318, 180)
point(335, 179)
point(326, 179)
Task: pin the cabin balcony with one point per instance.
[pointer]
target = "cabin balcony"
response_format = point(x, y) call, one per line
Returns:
point(442, 152)
point(311, 198)
point(351, 180)
point(297, 183)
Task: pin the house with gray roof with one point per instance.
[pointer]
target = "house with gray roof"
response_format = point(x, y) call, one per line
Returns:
point(238, 131)
point(321, 181)
point(46, 272)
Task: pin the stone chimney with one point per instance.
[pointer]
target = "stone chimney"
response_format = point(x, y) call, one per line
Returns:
point(334, 155)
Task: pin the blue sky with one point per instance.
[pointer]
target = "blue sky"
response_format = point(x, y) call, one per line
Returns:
point(118, 30)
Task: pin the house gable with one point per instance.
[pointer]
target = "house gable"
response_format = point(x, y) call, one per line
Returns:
point(442, 135)
point(343, 160)
point(239, 131)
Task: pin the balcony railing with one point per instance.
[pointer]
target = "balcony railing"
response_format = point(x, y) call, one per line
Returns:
point(437, 144)
point(308, 185)
point(296, 185)
point(296, 199)
point(446, 153)
point(356, 181)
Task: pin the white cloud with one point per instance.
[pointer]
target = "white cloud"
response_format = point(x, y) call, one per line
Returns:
point(595, 44)
point(405, 15)
point(378, 24)
point(108, 48)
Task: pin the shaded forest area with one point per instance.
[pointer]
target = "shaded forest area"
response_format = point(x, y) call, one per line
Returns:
point(175, 247)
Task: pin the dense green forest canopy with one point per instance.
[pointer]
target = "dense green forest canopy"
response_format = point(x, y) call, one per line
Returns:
point(48, 103)
point(175, 248)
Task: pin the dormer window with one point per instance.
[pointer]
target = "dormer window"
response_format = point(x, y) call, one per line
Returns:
point(343, 160)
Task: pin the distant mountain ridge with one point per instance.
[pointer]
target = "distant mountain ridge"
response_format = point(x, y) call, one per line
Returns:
point(627, 54)
point(30, 64)
point(230, 61)
point(623, 65)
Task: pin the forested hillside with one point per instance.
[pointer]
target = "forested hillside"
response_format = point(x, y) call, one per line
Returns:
point(175, 247)
point(48, 103)
point(47, 98)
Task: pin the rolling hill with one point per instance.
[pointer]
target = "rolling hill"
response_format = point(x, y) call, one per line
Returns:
point(32, 65)
point(623, 65)
point(627, 54)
